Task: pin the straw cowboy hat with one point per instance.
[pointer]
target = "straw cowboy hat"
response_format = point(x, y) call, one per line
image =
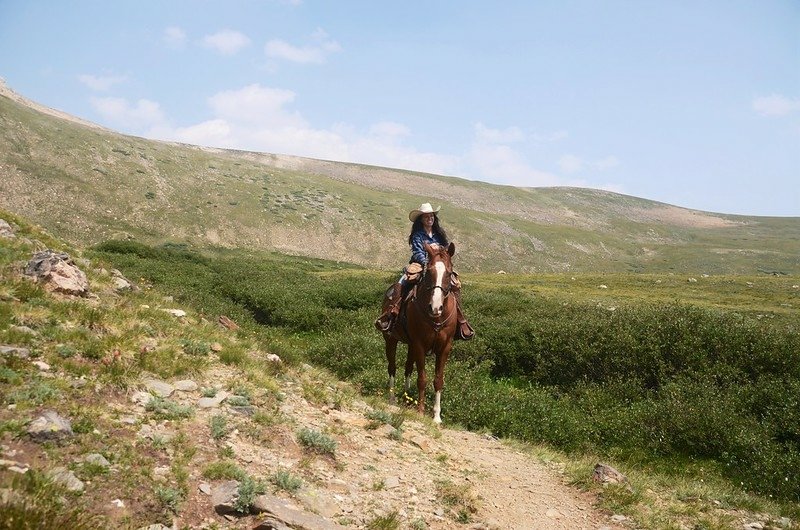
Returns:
point(423, 208)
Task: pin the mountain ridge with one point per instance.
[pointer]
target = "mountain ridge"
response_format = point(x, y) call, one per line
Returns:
point(88, 184)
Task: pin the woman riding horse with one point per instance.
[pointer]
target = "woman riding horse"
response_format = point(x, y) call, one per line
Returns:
point(425, 229)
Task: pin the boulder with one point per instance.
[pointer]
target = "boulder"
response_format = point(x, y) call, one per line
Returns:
point(279, 511)
point(224, 497)
point(6, 232)
point(49, 426)
point(57, 273)
point(607, 474)
point(66, 478)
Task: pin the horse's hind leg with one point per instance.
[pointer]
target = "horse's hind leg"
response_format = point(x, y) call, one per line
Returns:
point(417, 356)
point(391, 362)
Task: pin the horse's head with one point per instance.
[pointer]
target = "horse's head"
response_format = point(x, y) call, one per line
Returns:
point(436, 282)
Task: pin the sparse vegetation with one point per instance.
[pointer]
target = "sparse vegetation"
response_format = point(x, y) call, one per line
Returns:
point(390, 521)
point(286, 481)
point(316, 441)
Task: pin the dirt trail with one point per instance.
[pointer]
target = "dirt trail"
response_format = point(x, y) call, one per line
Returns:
point(518, 492)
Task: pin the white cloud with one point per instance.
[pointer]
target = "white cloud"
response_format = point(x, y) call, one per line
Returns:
point(101, 83)
point(119, 112)
point(607, 162)
point(226, 42)
point(775, 105)
point(503, 165)
point(389, 129)
point(258, 105)
point(175, 37)
point(498, 136)
point(316, 52)
point(570, 164)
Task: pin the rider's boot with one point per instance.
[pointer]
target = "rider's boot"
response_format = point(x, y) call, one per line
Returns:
point(391, 308)
point(464, 331)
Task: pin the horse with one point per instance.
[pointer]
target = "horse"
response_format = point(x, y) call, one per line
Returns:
point(427, 323)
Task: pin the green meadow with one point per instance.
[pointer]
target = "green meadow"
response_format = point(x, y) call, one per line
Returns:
point(688, 376)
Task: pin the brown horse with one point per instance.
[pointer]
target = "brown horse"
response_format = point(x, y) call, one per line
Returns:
point(427, 323)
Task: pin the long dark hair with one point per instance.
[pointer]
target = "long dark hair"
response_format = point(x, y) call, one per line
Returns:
point(437, 229)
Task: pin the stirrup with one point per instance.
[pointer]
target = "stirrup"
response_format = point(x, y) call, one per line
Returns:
point(460, 335)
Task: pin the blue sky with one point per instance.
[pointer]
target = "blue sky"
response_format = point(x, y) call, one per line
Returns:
point(692, 103)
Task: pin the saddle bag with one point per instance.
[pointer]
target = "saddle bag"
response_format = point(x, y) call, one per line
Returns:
point(413, 272)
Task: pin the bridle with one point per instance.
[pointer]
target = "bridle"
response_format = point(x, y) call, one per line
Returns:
point(445, 292)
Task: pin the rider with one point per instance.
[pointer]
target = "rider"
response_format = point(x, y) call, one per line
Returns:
point(425, 229)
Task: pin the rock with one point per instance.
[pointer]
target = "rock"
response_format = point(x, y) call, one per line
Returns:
point(392, 482)
point(117, 503)
point(180, 313)
point(49, 426)
point(224, 496)
point(421, 442)
point(754, 526)
point(12, 465)
point(121, 284)
point(148, 345)
point(385, 430)
point(186, 386)
point(244, 410)
point(618, 518)
point(141, 398)
point(15, 351)
point(66, 478)
point(41, 365)
point(280, 511)
point(271, 357)
point(6, 232)
point(205, 488)
point(607, 474)
point(159, 388)
point(58, 273)
point(603, 286)
point(553, 514)
point(228, 323)
point(692, 280)
point(157, 526)
point(23, 329)
point(97, 459)
point(216, 347)
point(318, 503)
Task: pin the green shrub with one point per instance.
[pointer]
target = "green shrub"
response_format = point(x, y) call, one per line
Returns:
point(286, 481)
point(165, 409)
point(316, 441)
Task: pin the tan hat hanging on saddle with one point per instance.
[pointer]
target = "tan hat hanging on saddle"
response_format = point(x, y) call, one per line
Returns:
point(413, 272)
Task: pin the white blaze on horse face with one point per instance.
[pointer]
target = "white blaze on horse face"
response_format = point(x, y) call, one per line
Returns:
point(437, 299)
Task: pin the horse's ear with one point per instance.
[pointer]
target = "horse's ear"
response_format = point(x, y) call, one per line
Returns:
point(451, 249)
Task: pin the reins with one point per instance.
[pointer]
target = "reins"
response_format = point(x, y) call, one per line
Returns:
point(437, 326)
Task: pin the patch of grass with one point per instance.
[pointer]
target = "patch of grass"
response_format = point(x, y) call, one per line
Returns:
point(249, 488)
point(390, 521)
point(36, 392)
point(286, 481)
point(238, 401)
point(316, 441)
point(223, 470)
point(164, 409)
point(209, 392)
point(458, 498)
point(418, 524)
point(219, 426)
point(34, 503)
point(170, 498)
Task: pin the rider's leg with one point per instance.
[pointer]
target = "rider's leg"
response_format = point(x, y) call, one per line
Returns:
point(391, 305)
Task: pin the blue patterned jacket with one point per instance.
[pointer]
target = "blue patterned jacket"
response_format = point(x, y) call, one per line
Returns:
point(418, 240)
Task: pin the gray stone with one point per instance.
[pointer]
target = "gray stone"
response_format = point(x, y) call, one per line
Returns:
point(41, 365)
point(23, 329)
point(66, 478)
point(318, 503)
point(205, 488)
point(97, 459)
point(15, 351)
point(6, 231)
point(281, 511)
point(607, 474)
point(180, 313)
point(121, 284)
point(141, 398)
point(58, 273)
point(246, 410)
point(185, 385)
point(159, 388)
point(224, 496)
point(49, 426)
point(392, 482)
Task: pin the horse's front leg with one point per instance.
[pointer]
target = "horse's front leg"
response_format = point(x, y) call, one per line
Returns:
point(416, 355)
point(438, 381)
point(391, 361)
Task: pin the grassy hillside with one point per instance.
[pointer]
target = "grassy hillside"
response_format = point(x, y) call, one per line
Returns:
point(88, 184)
